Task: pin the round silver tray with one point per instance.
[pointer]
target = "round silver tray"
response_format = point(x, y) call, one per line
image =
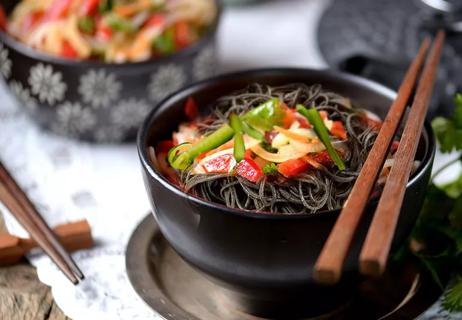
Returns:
point(178, 292)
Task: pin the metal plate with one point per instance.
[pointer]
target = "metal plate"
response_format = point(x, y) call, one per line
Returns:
point(178, 292)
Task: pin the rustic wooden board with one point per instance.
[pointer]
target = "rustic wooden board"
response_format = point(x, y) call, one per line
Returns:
point(23, 296)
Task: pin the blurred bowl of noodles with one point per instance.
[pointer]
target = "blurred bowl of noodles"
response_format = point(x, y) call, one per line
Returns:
point(90, 72)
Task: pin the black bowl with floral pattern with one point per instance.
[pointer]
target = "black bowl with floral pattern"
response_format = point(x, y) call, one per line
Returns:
point(97, 101)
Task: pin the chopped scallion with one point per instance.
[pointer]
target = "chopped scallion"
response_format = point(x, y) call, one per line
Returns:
point(270, 168)
point(252, 132)
point(118, 23)
point(86, 24)
point(165, 43)
point(318, 125)
point(239, 146)
point(105, 6)
point(183, 160)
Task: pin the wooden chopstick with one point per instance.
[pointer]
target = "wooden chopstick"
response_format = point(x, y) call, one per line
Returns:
point(374, 254)
point(23, 210)
point(329, 265)
point(13, 206)
point(36, 217)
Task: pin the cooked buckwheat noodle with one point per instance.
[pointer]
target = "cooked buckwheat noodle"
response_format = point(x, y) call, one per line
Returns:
point(317, 190)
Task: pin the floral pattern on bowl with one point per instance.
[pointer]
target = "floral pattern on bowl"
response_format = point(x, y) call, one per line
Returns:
point(101, 104)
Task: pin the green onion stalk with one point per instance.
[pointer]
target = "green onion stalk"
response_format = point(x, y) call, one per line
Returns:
point(252, 132)
point(212, 141)
point(316, 121)
point(239, 146)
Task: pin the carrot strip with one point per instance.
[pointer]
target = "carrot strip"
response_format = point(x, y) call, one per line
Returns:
point(292, 135)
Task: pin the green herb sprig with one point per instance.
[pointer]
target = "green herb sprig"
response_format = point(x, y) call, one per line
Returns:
point(448, 131)
point(436, 240)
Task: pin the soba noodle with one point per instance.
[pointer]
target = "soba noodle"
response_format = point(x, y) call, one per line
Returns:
point(309, 192)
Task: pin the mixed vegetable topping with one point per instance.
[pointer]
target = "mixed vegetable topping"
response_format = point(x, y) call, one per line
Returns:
point(269, 139)
point(110, 30)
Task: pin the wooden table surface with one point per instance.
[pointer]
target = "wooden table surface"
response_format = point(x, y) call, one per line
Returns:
point(23, 296)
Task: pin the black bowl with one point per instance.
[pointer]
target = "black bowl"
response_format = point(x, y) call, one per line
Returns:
point(268, 258)
point(93, 100)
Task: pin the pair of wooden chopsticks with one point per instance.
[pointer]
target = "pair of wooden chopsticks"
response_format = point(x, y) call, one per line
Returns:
point(25, 212)
point(376, 248)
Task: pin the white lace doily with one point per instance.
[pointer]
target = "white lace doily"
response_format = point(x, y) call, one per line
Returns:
point(70, 180)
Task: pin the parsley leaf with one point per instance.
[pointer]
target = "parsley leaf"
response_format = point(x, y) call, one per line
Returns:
point(458, 111)
point(436, 240)
point(455, 216)
point(105, 6)
point(452, 300)
point(453, 189)
point(270, 168)
point(448, 131)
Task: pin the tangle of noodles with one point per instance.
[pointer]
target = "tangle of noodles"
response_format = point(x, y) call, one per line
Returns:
point(315, 190)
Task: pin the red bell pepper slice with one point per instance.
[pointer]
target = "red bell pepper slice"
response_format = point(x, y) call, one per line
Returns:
point(323, 158)
point(371, 123)
point(88, 8)
point(68, 51)
point(30, 21)
point(248, 154)
point(190, 109)
point(289, 118)
point(3, 19)
point(202, 155)
point(103, 31)
point(303, 123)
point(394, 146)
point(183, 37)
point(155, 20)
point(338, 130)
point(293, 167)
point(270, 135)
point(249, 170)
point(219, 164)
point(165, 168)
point(57, 10)
point(164, 146)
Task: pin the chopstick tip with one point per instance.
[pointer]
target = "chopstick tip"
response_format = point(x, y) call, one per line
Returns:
point(371, 267)
point(78, 273)
point(72, 278)
point(326, 277)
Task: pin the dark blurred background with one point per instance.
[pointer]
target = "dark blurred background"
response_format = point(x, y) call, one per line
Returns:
point(377, 39)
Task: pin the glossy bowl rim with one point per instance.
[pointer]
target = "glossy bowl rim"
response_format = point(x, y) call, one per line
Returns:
point(38, 55)
point(188, 90)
